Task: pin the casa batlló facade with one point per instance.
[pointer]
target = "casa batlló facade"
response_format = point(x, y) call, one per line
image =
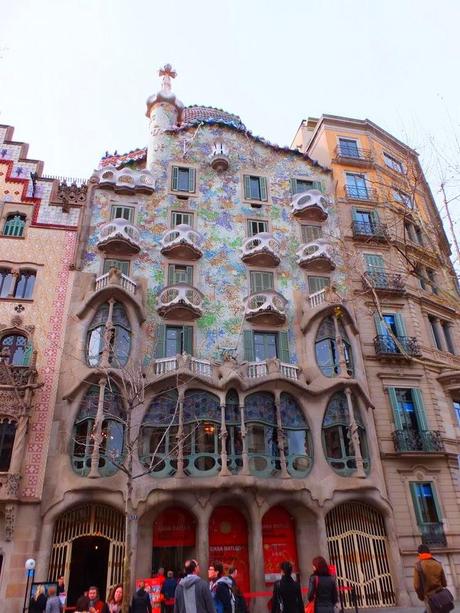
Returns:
point(279, 411)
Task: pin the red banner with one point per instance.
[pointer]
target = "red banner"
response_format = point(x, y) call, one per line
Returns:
point(153, 589)
point(174, 527)
point(278, 534)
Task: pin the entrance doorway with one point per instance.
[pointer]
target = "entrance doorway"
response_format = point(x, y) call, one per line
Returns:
point(88, 566)
point(173, 539)
point(279, 542)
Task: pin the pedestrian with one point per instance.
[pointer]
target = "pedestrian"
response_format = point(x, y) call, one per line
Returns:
point(287, 597)
point(141, 601)
point(322, 587)
point(192, 593)
point(91, 603)
point(221, 588)
point(61, 585)
point(430, 582)
point(114, 600)
point(240, 603)
point(37, 603)
point(168, 590)
point(53, 604)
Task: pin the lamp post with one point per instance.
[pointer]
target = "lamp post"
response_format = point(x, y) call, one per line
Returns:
point(30, 572)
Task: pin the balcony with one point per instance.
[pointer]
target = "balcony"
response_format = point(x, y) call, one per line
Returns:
point(427, 441)
point(385, 346)
point(180, 301)
point(361, 194)
point(119, 237)
point(120, 279)
point(266, 307)
point(353, 156)
point(264, 369)
point(261, 250)
point(391, 283)
point(9, 486)
point(182, 242)
point(433, 534)
point(316, 255)
point(218, 158)
point(310, 205)
point(370, 231)
point(126, 180)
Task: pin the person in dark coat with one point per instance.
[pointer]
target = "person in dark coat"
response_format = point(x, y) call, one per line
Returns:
point(141, 601)
point(286, 592)
point(322, 587)
point(38, 601)
point(168, 589)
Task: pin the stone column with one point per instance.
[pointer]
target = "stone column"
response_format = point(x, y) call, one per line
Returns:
point(439, 333)
point(180, 436)
point(202, 539)
point(256, 549)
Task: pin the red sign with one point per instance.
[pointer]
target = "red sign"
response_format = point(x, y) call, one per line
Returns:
point(174, 527)
point(228, 543)
point(278, 534)
point(153, 589)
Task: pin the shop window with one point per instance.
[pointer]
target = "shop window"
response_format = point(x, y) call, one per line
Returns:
point(327, 348)
point(14, 225)
point(255, 188)
point(113, 335)
point(202, 419)
point(183, 179)
point(16, 350)
point(7, 434)
point(158, 442)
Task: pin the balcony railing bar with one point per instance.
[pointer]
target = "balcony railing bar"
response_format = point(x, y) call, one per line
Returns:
point(386, 345)
point(428, 441)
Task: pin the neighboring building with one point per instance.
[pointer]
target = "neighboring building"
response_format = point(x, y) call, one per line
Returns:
point(405, 295)
point(38, 223)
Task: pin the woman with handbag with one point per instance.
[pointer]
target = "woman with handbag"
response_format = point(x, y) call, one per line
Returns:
point(322, 589)
point(287, 597)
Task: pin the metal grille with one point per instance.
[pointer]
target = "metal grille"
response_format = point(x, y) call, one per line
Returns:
point(358, 548)
point(88, 520)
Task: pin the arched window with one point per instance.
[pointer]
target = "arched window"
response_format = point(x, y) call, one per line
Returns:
point(16, 350)
point(233, 424)
point(202, 417)
point(6, 279)
point(25, 284)
point(158, 442)
point(112, 433)
point(298, 446)
point(327, 350)
point(261, 432)
point(117, 335)
point(14, 225)
point(337, 443)
point(7, 434)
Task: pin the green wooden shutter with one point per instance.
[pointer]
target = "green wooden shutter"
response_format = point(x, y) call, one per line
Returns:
point(294, 186)
point(283, 347)
point(353, 214)
point(419, 408)
point(189, 273)
point(248, 339)
point(171, 275)
point(400, 327)
point(160, 341)
point(416, 502)
point(396, 408)
point(191, 179)
point(380, 326)
point(247, 187)
point(188, 339)
point(263, 189)
point(374, 263)
point(175, 178)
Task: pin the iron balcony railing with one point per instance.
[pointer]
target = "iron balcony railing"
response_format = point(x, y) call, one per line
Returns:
point(433, 534)
point(387, 281)
point(417, 440)
point(369, 229)
point(386, 345)
point(360, 192)
point(353, 153)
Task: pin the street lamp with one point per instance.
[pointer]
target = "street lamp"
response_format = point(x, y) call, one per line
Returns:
point(30, 572)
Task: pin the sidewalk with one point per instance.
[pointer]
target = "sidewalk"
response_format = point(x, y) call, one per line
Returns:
point(417, 609)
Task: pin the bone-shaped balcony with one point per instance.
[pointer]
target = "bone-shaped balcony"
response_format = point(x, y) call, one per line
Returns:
point(182, 242)
point(261, 250)
point(119, 237)
point(266, 307)
point(310, 205)
point(180, 301)
point(316, 255)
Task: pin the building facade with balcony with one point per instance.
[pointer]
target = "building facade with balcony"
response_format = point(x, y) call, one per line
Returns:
point(405, 296)
point(39, 219)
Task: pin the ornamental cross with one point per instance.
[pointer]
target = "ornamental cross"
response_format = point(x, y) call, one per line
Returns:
point(168, 73)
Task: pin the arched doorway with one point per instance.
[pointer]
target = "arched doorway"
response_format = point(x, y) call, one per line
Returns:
point(84, 536)
point(173, 539)
point(228, 542)
point(358, 547)
point(279, 542)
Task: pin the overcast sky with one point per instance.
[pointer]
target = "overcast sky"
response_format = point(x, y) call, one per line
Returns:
point(75, 74)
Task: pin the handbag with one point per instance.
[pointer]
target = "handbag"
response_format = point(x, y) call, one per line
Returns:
point(310, 606)
point(442, 601)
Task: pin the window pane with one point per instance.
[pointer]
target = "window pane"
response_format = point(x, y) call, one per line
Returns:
point(429, 513)
point(183, 179)
point(315, 284)
point(456, 405)
point(392, 162)
point(121, 265)
point(25, 285)
point(349, 147)
point(302, 185)
point(254, 183)
point(356, 186)
point(255, 226)
point(311, 233)
point(95, 345)
point(123, 212)
point(265, 346)
point(5, 282)
point(181, 218)
point(173, 341)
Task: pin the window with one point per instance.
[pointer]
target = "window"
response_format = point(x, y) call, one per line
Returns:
point(178, 273)
point(25, 284)
point(348, 148)
point(392, 323)
point(179, 218)
point(316, 284)
point(432, 278)
point(365, 222)
point(183, 179)
point(262, 433)
point(403, 198)
point(121, 265)
point(6, 279)
point(428, 513)
point(178, 340)
point(16, 350)
point(327, 348)
point(299, 186)
point(435, 331)
point(7, 434)
point(255, 226)
point(311, 233)
point(297, 442)
point(375, 267)
point(413, 233)
point(202, 420)
point(357, 186)
point(14, 225)
point(456, 405)
point(122, 212)
point(441, 334)
point(261, 346)
point(158, 444)
point(255, 188)
point(446, 328)
point(411, 428)
point(261, 281)
point(115, 336)
point(393, 163)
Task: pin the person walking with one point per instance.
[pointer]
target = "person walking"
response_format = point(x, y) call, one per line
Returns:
point(53, 604)
point(429, 581)
point(37, 603)
point(168, 590)
point(221, 588)
point(192, 593)
point(240, 602)
point(322, 587)
point(287, 597)
point(141, 601)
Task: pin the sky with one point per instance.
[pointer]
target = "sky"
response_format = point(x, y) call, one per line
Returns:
point(75, 74)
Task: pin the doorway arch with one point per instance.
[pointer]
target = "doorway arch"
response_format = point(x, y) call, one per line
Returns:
point(358, 547)
point(279, 542)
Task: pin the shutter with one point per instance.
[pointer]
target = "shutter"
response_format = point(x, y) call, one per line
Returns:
point(256, 281)
point(294, 186)
point(380, 326)
point(248, 338)
point(189, 273)
point(188, 339)
point(171, 274)
point(283, 347)
point(263, 188)
point(419, 408)
point(247, 187)
point(191, 179)
point(416, 502)
point(353, 214)
point(175, 178)
point(400, 327)
point(396, 408)
point(160, 341)
point(436, 501)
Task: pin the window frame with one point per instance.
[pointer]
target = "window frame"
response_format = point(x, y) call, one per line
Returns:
point(188, 213)
point(262, 186)
point(362, 192)
point(341, 139)
point(171, 273)
point(393, 163)
point(175, 179)
point(10, 217)
point(303, 233)
point(250, 221)
point(106, 269)
point(130, 209)
point(266, 274)
point(26, 294)
point(310, 293)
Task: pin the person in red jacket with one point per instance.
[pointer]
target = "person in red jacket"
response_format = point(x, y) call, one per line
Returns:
point(92, 602)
